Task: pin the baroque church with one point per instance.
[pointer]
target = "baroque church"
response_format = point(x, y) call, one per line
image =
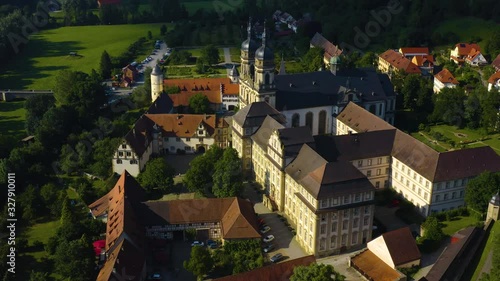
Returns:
point(311, 99)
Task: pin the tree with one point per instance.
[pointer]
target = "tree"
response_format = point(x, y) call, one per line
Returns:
point(480, 190)
point(200, 262)
point(199, 175)
point(312, 60)
point(449, 106)
point(103, 151)
point(410, 90)
point(54, 127)
point(433, 230)
point(75, 259)
point(39, 276)
point(105, 65)
point(157, 174)
point(30, 203)
point(150, 35)
point(472, 107)
point(316, 272)
point(490, 103)
point(210, 55)
point(199, 104)
point(141, 97)
point(36, 106)
point(51, 198)
point(228, 177)
point(163, 30)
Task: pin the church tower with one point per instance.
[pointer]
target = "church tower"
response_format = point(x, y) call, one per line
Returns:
point(493, 208)
point(248, 48)
point(156, 83)
point(234, 75)
point(264, 73)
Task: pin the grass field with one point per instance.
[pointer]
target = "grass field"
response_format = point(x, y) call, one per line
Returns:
point(12, 118)
point(494, 232)
point(450, 227)
point(467, 28)
point(47, 52)
point(472, 138)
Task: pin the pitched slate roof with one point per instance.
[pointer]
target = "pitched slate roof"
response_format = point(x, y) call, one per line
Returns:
point(274, 272)
point(322, 88)
point(361, 120)
point(331, 50)
point(399, 61)
point(445, 76)
point(236, 215)
point(402, 246)
point(162, 105)
point(263, 134)
point(254, 114)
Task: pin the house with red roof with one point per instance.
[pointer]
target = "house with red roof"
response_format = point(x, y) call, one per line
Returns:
point(391, 61)
point(496, 63)
point(331, 50)
point(494, 82)
point(468, 53)
point(444, 79)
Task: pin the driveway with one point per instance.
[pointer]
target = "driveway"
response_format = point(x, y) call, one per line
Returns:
point(180, 252)
point(340, 264)
point(284, 241)
point(227, 60)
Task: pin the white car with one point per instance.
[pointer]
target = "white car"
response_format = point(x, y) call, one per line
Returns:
point(197, 243)
point(265, 229)
point(268, 238)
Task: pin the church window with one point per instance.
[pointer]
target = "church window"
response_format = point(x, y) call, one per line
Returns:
point(373, 109)
point(309, 120)
point(322, 123)
point(295, 120)
point(266, 78)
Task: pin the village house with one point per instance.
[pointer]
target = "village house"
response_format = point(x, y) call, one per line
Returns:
point(421, 57)
point(494, 82)
point(444, 79)
point(318, 41)
point(468, 53)
point(129, 76)
point(496, 63)
point(386, 254)
point(391, 62)
point(168, 133)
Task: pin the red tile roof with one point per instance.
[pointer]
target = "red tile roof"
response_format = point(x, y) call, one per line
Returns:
point(401, 246)
point(413, 50)
point(183, 125)
point(399, 61)
point(496, 63)
point(445, 76)
point(373, 267)
point(494, 78)
point(464, 48)
point(420, 60)
point(275, 272)
point(182, 98)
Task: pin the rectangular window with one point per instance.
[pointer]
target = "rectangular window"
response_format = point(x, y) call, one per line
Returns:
point(201, 140)
point(445, 196)
point(323, 217)
point(396, 175)
point(379, 161)
point(124, 146)
point(129, 153)
point(200, 132)
point(369, 162)
point(188, 139)
point(367, 210)
point(360, 163)
point(427, 184)
point(453, 195)
point(346, 199)
point(413, 188)
point(386, 171)
point(369, 173)
point(425, 195)
point(438, 198)
point(354, 237)
point(368, 195)
point(397, 164)
point(334, 226)
point(345, 224)
point(333, 241)
point(120, 153)
point(419, 191)
point(334, 215)
point(356, 211)
point(461, 193)
point(323, 229)
point(386, 183)
point(365, 220)
point(357, 197)
point(177, 139)
point(355, 223)
point(335, 201)
point(344, 239)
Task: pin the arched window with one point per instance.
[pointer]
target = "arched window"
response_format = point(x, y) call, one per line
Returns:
point(295, 120)
point(373, 109)
point(322, 123)
point(266, 78)
point(309, 120)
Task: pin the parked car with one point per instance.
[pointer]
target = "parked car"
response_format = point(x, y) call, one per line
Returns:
point(268, 248)
point(261, 221)
point(265, 229)
point(155, 276)
point(268, 238)
point(197, 243)
point(276, 258)
point(212, 244)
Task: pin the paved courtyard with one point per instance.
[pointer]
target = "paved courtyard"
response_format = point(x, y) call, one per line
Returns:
point(180, 162)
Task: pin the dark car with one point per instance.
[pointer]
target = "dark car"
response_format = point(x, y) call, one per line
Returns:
point(276, 258)
point(268, 248)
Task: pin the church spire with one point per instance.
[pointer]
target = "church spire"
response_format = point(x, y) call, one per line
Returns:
point(264, 35)
point(282, 66)
point(249, 28)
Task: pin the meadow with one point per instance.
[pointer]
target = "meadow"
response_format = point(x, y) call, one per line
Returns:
point(467, 28)
point(47, 53)
point(12, 118)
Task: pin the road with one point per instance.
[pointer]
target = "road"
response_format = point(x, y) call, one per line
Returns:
point(227, 60)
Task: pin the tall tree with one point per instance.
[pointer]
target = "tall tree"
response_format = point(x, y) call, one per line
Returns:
point(312, 60)
point(157, 174)
point(210, 54)
point(480, 190)
point(473, 111)
point(200, 262)
point(228, 177)
point(75, 260)
point(36, 106)
point(198, 177)
point(316, 272)
point(199, 104)
point(490, 104)
point(449, 106)
point(105, 65)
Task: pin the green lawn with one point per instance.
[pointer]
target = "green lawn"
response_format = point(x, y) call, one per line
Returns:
point(467, 28)
point(433, 145)
point(12, 118)
point(47, 52)
point(472, 138)
point(450, 227)
point(495, 231)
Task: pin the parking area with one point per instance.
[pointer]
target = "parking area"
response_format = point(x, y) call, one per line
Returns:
point(167, 260)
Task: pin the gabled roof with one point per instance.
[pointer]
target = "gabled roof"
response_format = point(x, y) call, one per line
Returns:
point(413, 50)
point(362, 120)
point(496, 63)
point(421, 60)
point(445, 76)
point(274, 272)
point(197, 84)
point(236, 215)
point(263, 134)
point(182, 125)
point(319, 41)
point(399, 61)
point(182, 98)
point(494, 78)
point(465, 48)
point(254, 114)
point(401, 246)
point(162, 105)
point(473, 54)
point(124, 260)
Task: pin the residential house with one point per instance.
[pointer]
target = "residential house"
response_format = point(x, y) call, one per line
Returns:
point(386, 254)
point(410, 52)
point(168, 133)
point(391, 62)
point(464, 51)
point(279, 271)
point(129, 76)
point(457, 257)
point(494, 82)
point(475, 58)
point(331, 50)
point(496, 63)
point(433, 181)
point(221, 92)
point(444, 79)
point(421, 57)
